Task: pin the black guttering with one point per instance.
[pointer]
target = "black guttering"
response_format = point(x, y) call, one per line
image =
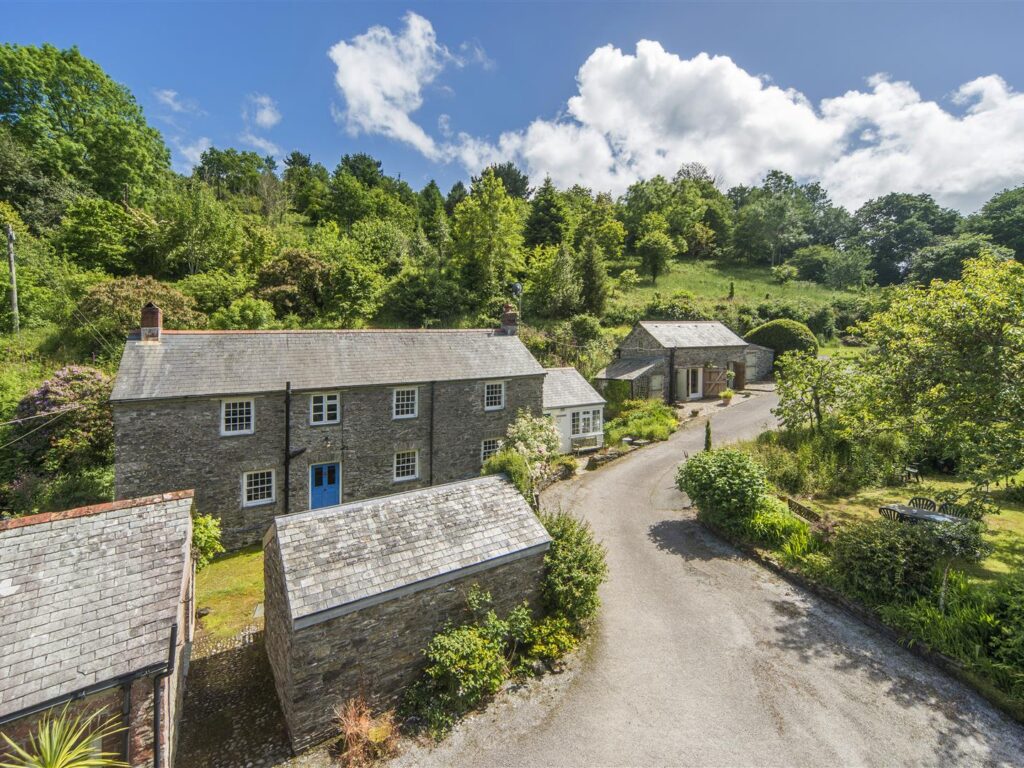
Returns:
point(168, 670)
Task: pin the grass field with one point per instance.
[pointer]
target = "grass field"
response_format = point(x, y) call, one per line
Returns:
point(1006, 530)
point(231, 587)
point(710, 280)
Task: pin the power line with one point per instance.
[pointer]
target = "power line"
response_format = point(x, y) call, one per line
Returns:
point(35, 429)
point(40, 415)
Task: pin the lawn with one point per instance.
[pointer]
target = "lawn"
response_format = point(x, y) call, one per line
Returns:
point(710, 280)
point(231, 587)
point(1006, 530)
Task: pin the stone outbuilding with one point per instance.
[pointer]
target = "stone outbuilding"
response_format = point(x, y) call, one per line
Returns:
point(354, 593)
point(96, 612)
point(576, 407)
point(684, 360)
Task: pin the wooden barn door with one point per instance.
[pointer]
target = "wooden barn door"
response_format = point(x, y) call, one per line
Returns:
point(715, 380)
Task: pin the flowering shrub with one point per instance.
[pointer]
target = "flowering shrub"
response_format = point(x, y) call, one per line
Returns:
point(535, 437)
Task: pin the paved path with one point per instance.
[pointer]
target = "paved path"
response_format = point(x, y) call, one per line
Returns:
point(703, 658)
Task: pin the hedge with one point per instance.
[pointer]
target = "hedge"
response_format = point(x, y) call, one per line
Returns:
point(783, 336)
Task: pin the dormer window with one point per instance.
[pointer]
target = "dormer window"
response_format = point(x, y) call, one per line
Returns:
point(237, 417)
point(494, 395)
point(324, 408)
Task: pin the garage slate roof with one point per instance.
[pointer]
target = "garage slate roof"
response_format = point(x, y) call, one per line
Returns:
point(628, 368)
point(566, 387)
point(689, 334)
point(339, 559)
point(89, 594)
point(198, 363)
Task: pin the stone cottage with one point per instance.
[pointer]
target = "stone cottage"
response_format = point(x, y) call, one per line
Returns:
point(354, 593)
point(96, 612)
point(684, 360)
point(576, 407)
point(263, 423)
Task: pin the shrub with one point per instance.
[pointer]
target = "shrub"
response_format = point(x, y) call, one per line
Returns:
point(574, 568)
point(783, 273)
point(205, 539)
point(515, 467)
point(772, 524)
point(724, 484)
point(465, 665)
point(628, 279)
point(882, 561)
point(641, 419)
point(66, 740)
point(783, 336)
point(565, 464)
point(366, 737)
point(727, 394)
point(551, 638)
point(1008, 608)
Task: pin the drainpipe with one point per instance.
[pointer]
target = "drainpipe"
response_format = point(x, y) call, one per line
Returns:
point(672, 375)
point(126, 713)
point(158, 757)
point(430, 461)
point(287, 444)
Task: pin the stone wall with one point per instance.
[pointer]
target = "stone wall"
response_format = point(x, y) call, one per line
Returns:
point(376, 652)
point(176, 444)
point(763, 359)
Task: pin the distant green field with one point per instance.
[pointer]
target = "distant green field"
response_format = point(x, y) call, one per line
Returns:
point(710, 280)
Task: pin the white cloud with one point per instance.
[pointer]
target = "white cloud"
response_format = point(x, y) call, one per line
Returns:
point(261, 110)
point(266, 146)
point(174, 101)
point(648, 112)
point(191, 153)
point(382, 75)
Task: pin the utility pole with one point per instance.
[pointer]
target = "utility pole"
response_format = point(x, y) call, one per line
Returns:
point(15, 325)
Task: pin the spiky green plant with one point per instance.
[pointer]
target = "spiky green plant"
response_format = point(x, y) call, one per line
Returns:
point(65, 741)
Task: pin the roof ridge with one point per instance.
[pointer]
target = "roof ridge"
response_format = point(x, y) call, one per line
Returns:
point(215, 332)
point(92, 509)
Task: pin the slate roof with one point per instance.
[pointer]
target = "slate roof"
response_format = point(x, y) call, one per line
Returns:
point(690, 334)
point(89, 594)
point(566, 387)
point(198, 363)
point(339, 559)
point(628, 368)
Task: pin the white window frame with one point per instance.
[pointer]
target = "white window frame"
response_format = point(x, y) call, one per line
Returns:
point(395, 415)
point(593, 415)
point(252, 417)
point(245, 488)
point(394, 467)
point(327, 396)
point(484, 456)
point(494, 384)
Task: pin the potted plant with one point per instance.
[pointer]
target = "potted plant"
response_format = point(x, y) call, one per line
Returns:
point(727, 395)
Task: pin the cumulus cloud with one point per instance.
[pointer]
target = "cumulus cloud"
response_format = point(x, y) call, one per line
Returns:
point(648, 112)
point(191, 152)
point(174, 101)
point(264, 145)
point(261, 110)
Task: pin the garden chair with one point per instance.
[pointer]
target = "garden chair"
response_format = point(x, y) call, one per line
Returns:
point(956, 510)
point(911, 473)
point(920, 502)
point(889, 513)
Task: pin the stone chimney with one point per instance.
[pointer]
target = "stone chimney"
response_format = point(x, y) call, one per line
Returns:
point(509, 320)
point(152, 323)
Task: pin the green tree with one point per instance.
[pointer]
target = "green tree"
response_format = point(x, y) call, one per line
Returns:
point(1002, 219)
point(945, 259)
point(246, 313)
point(771, 222)
point(896, 226)
point(230, 172)
point(516, 183)
point(308, 186)
point(487, 241)
point(593, 276)
point(78, 123)
point(655, 249)
point(96, 234)
point(553, 283)
point(809, 388)
point(850, 268)
point(456, 195)
point(547, 222)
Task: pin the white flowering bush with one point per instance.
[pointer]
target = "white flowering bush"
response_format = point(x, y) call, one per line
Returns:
point(535, 437)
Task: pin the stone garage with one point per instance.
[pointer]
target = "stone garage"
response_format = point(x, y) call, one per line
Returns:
point(355, 592)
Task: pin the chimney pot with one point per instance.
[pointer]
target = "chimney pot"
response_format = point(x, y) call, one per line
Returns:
point(509, 320)
point(152, 323)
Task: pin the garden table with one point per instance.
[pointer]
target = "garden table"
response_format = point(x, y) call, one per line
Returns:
point(915, 515)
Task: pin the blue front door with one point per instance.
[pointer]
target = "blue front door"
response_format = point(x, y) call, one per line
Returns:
point(324, 485)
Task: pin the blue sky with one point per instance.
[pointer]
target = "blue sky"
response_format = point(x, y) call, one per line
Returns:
point(496, 68)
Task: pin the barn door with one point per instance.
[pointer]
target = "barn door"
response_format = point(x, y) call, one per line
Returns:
point(715, 380)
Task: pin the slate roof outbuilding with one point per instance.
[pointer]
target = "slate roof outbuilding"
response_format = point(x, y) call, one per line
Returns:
point(566, 388)
point(339, 559)
point(692, 334)
point(89, 594)
point(628, 368)
point(206, 363)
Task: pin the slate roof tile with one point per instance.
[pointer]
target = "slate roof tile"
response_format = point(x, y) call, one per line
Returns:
point(691, 334)
point(566, 387)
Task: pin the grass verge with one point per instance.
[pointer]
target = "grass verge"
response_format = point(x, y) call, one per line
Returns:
point(231, 587)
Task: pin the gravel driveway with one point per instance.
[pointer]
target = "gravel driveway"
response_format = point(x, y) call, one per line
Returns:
point(703, 658)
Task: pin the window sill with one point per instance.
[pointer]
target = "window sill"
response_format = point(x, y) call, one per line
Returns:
point(494, 408)
point(263, 503)
point(242, 433)
point(325, 423)
point(405, 479)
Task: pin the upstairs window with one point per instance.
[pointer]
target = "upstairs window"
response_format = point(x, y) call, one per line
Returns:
point(236, 417)
point(494, 396)
point(325, 408)
point(258, 488)
point(407, 465)
point(405, 403)
point(488, 448)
